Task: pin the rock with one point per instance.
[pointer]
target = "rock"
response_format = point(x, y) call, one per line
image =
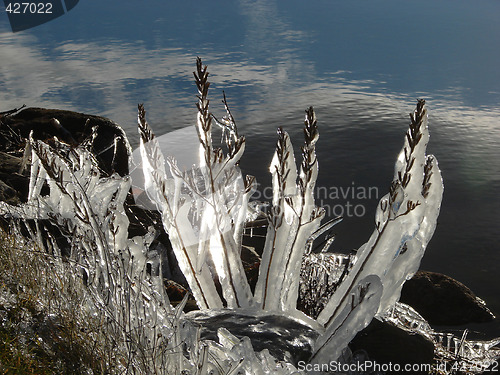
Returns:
point(13, 185)
point(442, 300)
point(109, 143)
point(9, 163)
point(386, 344)
point(8, 194)
point(107, 140)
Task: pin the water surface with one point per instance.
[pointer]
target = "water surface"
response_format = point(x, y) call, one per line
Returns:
point(362, 65)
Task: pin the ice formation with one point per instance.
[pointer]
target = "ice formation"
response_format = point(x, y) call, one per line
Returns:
point(405, 221)
point(204, 210)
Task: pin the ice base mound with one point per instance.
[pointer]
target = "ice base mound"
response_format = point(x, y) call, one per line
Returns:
point(285, 338)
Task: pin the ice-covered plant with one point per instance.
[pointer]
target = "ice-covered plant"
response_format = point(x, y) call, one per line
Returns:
point(121, 279)
point(205, 210)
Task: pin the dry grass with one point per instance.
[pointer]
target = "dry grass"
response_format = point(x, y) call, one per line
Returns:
point(43, 328)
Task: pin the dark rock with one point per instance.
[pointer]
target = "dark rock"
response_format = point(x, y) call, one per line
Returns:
point(442, 300)
point(386, 344)
point(8, 194)
point(13, 184)
point(109, 143)
point(9, 163)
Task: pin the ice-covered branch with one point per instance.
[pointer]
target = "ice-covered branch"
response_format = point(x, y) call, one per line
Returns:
point(225, 199)
point(174, 206)
point(292, 220)
point(405, 221)
point(203, 209)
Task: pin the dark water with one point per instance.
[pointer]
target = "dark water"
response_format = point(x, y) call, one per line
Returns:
point(362, 65)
